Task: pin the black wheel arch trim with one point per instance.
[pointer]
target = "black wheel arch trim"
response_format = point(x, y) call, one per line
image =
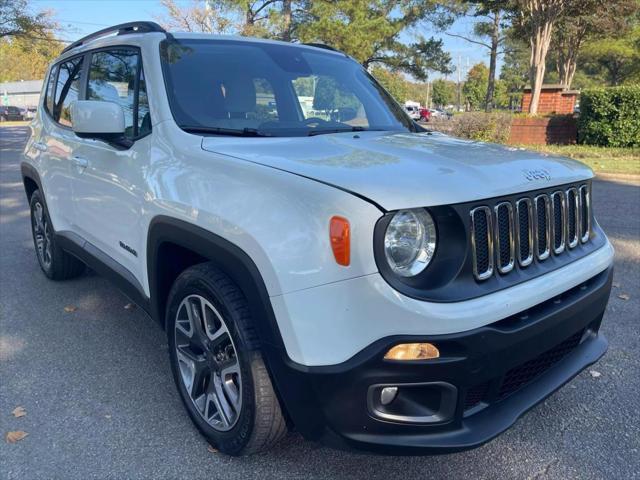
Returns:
point(29, 172)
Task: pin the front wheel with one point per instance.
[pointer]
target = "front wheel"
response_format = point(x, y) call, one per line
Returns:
point(217, 364)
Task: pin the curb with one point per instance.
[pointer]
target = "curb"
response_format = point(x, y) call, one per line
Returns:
point(628, 177)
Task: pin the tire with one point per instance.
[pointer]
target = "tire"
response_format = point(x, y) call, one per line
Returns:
point(54, 262)
point(217, 364)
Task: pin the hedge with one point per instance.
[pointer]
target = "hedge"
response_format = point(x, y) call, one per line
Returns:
point(610, 117)
point(485, 127)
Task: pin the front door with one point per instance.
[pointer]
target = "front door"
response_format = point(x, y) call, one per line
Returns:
point(108, 185)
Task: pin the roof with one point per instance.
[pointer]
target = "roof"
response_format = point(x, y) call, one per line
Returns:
point(25, 86)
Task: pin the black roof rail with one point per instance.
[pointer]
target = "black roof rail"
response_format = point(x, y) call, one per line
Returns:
point(322, 45)
point(121, 29)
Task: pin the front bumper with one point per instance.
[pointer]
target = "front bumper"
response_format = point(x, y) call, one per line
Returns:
point(489, 377)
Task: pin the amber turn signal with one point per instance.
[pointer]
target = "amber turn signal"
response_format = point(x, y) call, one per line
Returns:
point(413, 351)
point(340, 235)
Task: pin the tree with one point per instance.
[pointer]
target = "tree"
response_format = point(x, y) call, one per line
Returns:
point(588, 20)
point(17, 19)
point(490, 28)
point(619, 58)
point(515, 69)
point(535, 19)
point(444, 92)
point(195, 18)
point(475, 86)
point(29, 57)
point(370, 32)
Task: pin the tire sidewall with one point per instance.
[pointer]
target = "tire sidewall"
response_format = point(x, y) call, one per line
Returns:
point(235, 439)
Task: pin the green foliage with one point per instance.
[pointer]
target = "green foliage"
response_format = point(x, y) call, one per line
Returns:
point(393, 82)
point(444, 92)
point(610, 117)
point(29, 57)
point(17, 19)
point(475, 87)
point(370, 31)
point(617, 58)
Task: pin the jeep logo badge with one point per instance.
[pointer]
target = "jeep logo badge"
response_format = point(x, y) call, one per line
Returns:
point(538, 174)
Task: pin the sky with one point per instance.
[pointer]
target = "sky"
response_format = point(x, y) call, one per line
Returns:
point(81, 17)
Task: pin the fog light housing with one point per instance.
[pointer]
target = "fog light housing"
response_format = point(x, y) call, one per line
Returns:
point(412, 351)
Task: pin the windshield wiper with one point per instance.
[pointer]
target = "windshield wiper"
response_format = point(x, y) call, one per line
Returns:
point(244, 132)
point(324, 131)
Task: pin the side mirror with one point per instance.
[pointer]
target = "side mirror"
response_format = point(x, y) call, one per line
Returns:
point(99, 120)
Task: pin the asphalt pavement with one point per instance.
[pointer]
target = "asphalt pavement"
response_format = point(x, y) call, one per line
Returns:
point(100, 401)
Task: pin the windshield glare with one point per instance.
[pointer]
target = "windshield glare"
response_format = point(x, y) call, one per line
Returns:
point(227, 86)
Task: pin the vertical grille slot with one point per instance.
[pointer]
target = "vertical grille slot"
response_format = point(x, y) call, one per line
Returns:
point(482, 242)
point(573, 217)
point(524, 216)
point(504, 237)
point(543, 236)
point(559, 220)
point(585, 214)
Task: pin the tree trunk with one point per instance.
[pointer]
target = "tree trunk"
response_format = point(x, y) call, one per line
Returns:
point(286, 20)
point(495, 42)
point(540, 40)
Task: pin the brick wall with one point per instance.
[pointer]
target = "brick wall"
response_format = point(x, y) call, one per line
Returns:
point(553, 99)
point(560, 130)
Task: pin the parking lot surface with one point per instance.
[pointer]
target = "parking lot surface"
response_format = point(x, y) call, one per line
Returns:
point(100, 401)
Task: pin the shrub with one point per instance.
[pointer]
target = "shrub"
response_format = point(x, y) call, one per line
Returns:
point(485, 127)
point(610, 117)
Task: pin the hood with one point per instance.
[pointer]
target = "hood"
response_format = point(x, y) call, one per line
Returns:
point(406, 170)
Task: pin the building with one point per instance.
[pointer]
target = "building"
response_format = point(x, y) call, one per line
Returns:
point(555, 98)
point(21, 94)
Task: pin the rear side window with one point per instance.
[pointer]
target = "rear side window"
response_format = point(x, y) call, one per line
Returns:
point(115, 76)
point(67, 90)
point(48, 99)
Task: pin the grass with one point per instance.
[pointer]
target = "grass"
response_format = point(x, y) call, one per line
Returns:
point(600, 159)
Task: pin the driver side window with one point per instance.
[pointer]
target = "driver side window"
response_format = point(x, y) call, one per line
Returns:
point(116, 76)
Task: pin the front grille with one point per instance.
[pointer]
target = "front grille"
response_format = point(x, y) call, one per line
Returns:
point(549, 223)
point(523, 374)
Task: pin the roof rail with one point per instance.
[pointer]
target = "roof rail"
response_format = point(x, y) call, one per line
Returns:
point(322, 45)
point(121, 29)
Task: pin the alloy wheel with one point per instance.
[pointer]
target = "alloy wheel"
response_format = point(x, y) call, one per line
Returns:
point(42, 234)
point(208, 362)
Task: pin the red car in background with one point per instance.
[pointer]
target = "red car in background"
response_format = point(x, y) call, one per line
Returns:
point(425, 114)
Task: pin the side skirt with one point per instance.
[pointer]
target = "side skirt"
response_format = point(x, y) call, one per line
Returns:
point(104, 265)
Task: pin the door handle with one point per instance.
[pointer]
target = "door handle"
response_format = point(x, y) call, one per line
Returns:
point(40, 146)
point(81, 162)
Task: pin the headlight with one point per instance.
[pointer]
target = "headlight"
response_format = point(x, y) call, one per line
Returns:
point(410, 241)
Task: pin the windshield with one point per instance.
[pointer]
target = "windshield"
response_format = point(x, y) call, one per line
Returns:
point(231, 87)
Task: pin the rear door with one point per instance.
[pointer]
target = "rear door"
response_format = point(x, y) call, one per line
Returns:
point(108, 183)
point(54, 141)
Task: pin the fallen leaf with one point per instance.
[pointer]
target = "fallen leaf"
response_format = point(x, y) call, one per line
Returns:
point(130, 306)
point(70, 308)
point(624, 296)
point(19, 412)
point(210, 449)
point(616, 285)
point(16, 436)
point(595, 374)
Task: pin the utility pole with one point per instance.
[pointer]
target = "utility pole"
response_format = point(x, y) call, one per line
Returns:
point(459, 79)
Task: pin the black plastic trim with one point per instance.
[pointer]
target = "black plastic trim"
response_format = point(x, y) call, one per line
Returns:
point(339, 414)
point(120, 29)
point(103, 264)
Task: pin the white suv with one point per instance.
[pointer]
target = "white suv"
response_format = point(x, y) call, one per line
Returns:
point(333, 268)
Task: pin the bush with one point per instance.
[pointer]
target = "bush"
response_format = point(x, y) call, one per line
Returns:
point(610, 117)
point(481, 126)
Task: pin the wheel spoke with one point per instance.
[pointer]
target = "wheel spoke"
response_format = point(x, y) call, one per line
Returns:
point(226, 410)
point(208, 362)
